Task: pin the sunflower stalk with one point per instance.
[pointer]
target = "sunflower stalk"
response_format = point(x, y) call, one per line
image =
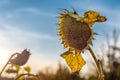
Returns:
point(32, 75)
point(7, 63)
point(98, 64)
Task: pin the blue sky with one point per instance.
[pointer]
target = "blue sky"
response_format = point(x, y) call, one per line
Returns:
point(32, 24)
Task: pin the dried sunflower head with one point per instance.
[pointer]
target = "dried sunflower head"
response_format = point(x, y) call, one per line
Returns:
point(21, 58)
point(76, 34)
point(75, 31)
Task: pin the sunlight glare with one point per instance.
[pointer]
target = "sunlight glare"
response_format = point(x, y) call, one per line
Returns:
point(4, 56)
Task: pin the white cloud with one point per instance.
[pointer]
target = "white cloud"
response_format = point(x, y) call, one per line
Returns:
point(18, 38)
point(20, 12)
point(17, 33)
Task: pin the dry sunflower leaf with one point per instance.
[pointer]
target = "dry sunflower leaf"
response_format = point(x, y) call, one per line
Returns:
point(74, 61)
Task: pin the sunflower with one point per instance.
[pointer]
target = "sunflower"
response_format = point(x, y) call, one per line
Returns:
point(76, 32)
point(21, 58)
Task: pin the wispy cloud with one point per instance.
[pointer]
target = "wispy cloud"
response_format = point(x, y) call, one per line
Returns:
point(4, 2)
point(21, 12)
point(18, 36)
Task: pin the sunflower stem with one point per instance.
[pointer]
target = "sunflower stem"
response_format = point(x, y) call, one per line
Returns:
point(7, 63)
point(98, 64)
point(32, 75)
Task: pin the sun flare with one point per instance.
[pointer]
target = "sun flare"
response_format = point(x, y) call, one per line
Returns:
point(4, 56)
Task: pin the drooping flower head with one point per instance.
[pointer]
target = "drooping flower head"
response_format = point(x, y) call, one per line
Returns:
point(75, 31)
point(76, 34)
point(21, 58)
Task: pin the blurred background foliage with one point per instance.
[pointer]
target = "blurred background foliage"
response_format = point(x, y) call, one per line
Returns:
point(110, 59)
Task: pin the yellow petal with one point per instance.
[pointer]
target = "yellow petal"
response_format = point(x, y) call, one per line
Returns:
point(74, 61)
point(27, 69)
point(17, 67)
point(91, 17)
